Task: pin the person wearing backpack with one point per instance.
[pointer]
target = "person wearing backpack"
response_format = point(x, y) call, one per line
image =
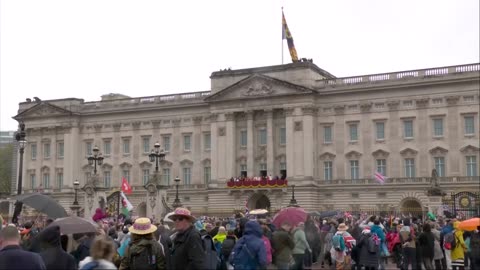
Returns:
point(407, 238)
point(447, 258)
point(369, 246)
point(282, 244)
point(143, 252)
point(101, 255)
point(426, 242)
point(227, 248)
point(249, 251)
point(458, 251)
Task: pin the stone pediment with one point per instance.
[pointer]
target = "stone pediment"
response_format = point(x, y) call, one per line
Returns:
point(408, 151)
point(43, 109)
point(258, 86)
point(469, 149)
point(327, 156)
point(438, 150)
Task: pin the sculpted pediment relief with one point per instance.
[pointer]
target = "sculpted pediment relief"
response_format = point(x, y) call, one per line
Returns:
point(438, 151)
point(380, 153)
point(257, 86)
point(43, 109)
point(408, 151)
point(327, 156)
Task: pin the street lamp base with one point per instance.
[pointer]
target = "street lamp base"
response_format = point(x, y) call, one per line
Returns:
point(293, 203)
point(75, 208)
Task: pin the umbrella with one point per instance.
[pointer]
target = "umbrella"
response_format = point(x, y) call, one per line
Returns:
point(43, 203)
point(469, 224)
point(314, 213)
point(328, 214)
point(70, 225)
point(258, 212)
point(294, 215)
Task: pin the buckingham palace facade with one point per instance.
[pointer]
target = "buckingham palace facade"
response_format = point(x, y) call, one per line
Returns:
point(326, 135)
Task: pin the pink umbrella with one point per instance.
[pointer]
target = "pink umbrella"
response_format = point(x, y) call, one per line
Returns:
point(294, 215)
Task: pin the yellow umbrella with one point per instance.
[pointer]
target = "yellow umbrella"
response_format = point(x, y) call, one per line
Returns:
point(469, 224)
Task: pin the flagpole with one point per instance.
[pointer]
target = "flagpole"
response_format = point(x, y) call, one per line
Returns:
point(282, 35)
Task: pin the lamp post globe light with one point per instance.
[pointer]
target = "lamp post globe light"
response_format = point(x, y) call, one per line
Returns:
point(95, 159)
point(75, 207)
point(156, 155)
point(22, 142)
point(177, 202)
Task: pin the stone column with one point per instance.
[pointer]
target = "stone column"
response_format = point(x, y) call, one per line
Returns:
point(366, 138)
point(340, 162)
point(290, 147)
point(72, 155)
point(231, 168)
point(214, 150)
point(309, 148)
point(197, 173)
point(423, 138)
point(394, 140)
point(250, 145)
point(136, 145)
point(270, 143)
point(452, 130)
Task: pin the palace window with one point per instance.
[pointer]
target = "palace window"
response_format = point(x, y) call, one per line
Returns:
point(354, 169)
point(262, 136)
point(353, 128)
point(146, 176)
point(126, 146)
point(126, 175)
point(33, 149)
point(46, 180)
point(187, 176)
point(471, 165)
point(283, 136)
point(88, 149)
point(469, 125)
point(283, 170)
point(32, 181)
point(243, 170)
point(187, 146)
point(107, 179)
point(327, 170)
point(380, 130)
point(408, 129)
point(409, 167)
point(327, 134)
point(206, 174)
point(166, 143)
point(107, 148)
point(440, 166)
point(243, 138)
point(59, 180)
point(46, 150)
point(60, 150)
point(166, 176)
point(382, 166)
point(438, 127)
point(146, 144)
point(207, 141)
point(263, 169)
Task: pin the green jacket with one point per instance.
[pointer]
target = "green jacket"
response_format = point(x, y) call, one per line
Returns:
point(137, 247)
point(300, 242)
point(283, 245)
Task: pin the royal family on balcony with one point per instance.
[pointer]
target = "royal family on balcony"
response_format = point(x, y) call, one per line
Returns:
point(257, 181)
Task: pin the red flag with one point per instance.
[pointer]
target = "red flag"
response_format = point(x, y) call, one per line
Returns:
point(126, 188)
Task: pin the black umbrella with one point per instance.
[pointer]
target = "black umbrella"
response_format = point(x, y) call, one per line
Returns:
point(70, 225)
point(43, 203)
point(328, 214)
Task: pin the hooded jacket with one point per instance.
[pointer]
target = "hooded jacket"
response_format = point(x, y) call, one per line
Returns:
point(52, 253)
point(250, 251)
point(460, 247)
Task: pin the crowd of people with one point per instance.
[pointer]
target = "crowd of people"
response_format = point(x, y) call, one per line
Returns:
point(245, 243)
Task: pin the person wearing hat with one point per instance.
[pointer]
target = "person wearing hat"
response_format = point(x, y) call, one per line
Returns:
point(143, 250)
point(187, 251)
point(343, 258)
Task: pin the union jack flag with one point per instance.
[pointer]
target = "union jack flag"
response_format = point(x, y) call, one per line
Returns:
point(379, 177)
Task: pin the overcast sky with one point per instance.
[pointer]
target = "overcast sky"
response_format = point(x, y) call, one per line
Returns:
point(83, 49)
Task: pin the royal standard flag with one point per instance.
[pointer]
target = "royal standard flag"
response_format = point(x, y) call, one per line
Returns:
point(288, 36)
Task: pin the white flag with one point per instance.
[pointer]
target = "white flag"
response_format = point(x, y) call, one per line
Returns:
point(128, 205)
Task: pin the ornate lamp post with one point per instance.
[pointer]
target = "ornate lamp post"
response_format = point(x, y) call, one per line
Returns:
point(177, 202)
point(96, 158)
point(22, 142)
point(75, 206)
point(293, 202)
point(157, 155)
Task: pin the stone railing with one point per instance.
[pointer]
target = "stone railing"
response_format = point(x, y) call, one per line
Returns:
point(399, 181)
point(173, 98)
point(396, 76)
